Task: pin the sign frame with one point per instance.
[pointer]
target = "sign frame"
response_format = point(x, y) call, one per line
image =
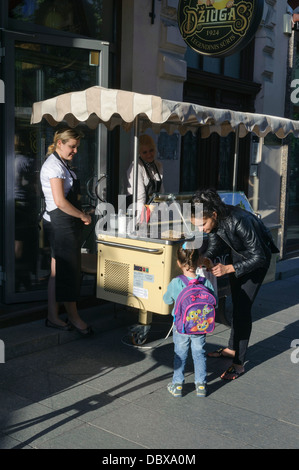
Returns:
point(214, 31)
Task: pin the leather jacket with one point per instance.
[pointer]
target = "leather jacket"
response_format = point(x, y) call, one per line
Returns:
point(249, 240)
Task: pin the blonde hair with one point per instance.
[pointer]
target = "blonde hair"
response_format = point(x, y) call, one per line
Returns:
point(146, 140)
point(64, 135)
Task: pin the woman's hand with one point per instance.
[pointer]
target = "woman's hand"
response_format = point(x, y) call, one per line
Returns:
point(222, 269)
point(86, 219)
point(206, 262)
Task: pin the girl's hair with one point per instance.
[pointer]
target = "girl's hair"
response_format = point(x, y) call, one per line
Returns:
point(211, 202)
point(188, 258)
point(64, 135)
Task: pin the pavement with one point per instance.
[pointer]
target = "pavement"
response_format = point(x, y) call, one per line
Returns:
point(61, 391)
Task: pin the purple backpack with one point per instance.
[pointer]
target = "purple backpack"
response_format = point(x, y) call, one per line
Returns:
point(194, 308)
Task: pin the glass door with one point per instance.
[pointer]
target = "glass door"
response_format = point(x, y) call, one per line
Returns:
point(38, 68)
point(292, 232)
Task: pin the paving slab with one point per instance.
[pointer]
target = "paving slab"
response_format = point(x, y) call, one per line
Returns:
point(104, 393)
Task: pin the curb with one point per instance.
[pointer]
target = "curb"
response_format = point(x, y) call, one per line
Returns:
point(31, 337)
point(287, 268)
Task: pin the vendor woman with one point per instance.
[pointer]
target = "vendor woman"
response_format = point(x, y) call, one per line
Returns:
point(150, 171)
point(63, 222)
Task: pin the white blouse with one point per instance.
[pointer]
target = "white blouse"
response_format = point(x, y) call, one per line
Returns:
point(54, 168)
point(143, 180)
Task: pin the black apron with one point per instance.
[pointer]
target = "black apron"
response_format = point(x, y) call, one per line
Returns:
point(67, 235)
point(153, 185)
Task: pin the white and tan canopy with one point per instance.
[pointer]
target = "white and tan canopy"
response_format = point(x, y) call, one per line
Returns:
point(110, 107)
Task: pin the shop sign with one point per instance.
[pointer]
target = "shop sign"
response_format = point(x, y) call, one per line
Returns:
point(218, 28)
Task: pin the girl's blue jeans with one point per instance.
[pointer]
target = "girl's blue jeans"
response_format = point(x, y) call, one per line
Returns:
point(181, 348)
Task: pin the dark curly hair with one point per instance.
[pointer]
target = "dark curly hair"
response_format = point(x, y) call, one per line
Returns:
point(211, 202)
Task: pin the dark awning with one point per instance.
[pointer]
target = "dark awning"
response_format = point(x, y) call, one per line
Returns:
point(293, 3)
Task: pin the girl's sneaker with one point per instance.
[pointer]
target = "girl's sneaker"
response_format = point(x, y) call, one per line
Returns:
point(201, 390)
point(175, 389)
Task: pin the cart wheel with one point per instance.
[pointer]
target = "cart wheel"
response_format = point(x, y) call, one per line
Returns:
point(138, 339)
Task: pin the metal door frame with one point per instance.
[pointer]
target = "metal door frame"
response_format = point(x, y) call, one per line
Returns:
point(8, 132)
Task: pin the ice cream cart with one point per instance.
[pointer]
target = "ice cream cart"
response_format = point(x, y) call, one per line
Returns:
point(135, 266)
point(135, 270)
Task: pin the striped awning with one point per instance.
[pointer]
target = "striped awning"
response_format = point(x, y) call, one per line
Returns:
point(97, 105)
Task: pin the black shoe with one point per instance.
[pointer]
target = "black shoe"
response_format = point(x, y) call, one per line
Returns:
point(84, 332)
point(50, 324)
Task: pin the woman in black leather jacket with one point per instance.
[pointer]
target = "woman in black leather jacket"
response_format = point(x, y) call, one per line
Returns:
point(250, 246)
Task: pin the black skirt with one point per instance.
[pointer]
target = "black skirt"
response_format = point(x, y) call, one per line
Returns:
point(66, 241)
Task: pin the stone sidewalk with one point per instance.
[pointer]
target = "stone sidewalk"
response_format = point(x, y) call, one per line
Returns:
point(58, 390)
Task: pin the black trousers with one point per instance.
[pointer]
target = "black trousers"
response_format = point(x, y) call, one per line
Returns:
point(244, 290)
point(66, 240)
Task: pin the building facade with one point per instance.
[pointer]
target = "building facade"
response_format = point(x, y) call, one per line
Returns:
point(53, 47)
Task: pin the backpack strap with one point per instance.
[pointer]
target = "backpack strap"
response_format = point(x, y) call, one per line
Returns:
point(201, 279)
point(184, 279)
point(196, 280)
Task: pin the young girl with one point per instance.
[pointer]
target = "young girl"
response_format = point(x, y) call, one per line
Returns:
point(188, 261)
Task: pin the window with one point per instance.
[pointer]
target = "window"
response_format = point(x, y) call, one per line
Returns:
point(228, 66)
point(80, 17)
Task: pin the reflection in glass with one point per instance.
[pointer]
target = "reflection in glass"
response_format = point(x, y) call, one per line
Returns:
point(189, 171)
point(26, 226)
point(83, 17)
point(43, 71)
point(293, 196)
point(226, 156)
